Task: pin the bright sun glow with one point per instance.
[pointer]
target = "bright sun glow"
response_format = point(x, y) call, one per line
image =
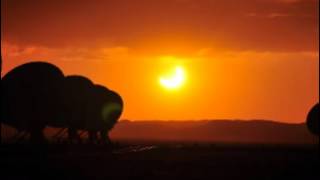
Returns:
point(175, 80)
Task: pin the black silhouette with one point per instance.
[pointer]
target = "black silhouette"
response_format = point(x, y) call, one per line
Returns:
point(1, 87)
point(75, 103)
point(36, 95)
point(88, 108)
point(106, 109)
point(29, 97)
point(313, 120)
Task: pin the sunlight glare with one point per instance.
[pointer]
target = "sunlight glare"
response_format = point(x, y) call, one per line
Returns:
point(175, 81)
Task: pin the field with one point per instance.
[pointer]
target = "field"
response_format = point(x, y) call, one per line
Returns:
point(160, 161)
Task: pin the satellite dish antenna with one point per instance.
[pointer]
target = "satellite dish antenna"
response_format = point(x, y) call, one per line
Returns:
point(313, 120)
point(30, 97)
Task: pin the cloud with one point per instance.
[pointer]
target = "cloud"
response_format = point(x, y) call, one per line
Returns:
point(203, 21)
point(278, 15)
point(64, 54)
point(15, 50)
point(119, 52)
point(271, 56)
point(294, 1)
point(210, 53)
point(288, 1)
point(251, 14)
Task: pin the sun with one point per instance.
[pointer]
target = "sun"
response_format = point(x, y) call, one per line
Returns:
point(173, 81)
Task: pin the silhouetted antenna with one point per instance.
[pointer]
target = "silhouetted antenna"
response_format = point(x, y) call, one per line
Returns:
point(37, 94)
point(313, 120)
point(1, 88)
point(107, 108)
point(76, 96)
point(29, 97)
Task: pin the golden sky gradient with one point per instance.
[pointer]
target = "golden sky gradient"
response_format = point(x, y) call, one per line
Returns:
point(249, 59)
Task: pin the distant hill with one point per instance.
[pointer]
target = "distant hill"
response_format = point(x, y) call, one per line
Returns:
point(213, 131)
point(229, 131)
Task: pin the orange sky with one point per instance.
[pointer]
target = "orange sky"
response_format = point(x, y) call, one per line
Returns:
point(249, 59)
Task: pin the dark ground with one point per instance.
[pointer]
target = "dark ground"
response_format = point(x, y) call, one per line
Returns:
point(160, 161)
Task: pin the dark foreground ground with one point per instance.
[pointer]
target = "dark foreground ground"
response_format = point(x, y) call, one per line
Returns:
point(160, 161)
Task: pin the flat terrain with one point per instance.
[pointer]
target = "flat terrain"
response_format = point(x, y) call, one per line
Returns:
point(160, 161)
